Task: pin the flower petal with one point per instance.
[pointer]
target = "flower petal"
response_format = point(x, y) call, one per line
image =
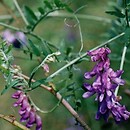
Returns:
point(88, 94)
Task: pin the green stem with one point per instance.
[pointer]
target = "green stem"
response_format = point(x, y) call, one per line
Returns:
point(121, 65)
point(125, 47)
point(42, 111)
point(42, 63)
point(126, 13)
point(83, 55)
point(10, 27)
point(66, 15)
point(20, 11)
point(42, 17)
point(42, 40)
point(63, 101)
point(5, 17)
point(80, 33)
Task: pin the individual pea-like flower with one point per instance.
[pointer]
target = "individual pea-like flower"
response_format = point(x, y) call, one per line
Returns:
point(17, 39)
point(27, 112)
point(46, 68)
point(104, 85)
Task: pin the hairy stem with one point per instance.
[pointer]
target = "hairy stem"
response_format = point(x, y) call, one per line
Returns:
point(63, 101)
point(13, 121)
point(121, 65)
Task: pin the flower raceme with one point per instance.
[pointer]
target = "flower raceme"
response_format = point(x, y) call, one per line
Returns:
point(27, 112)
point(104, 85)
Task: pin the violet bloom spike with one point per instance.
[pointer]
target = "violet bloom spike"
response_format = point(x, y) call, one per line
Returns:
point(106, 81)
point(27, 112)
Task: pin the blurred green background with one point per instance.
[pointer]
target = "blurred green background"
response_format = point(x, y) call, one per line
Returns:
point(56, 30)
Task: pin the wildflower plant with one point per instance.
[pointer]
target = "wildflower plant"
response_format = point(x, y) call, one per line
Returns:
point(62, 65)
point(104, 86)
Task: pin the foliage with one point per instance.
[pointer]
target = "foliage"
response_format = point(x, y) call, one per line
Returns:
point(58, 65)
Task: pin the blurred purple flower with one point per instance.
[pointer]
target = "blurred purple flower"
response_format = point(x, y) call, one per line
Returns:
point(106, 81)
point(17, 39)
point(27, 112)
point(71, 32)
point(46, 68)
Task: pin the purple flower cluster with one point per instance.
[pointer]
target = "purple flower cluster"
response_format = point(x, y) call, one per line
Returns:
point(16, 39)
point(28, 113)
point(104, 85)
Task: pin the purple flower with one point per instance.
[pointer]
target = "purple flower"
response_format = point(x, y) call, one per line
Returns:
point(46, 68)
point(17, 39)
point(104, 85)
point(27, 112)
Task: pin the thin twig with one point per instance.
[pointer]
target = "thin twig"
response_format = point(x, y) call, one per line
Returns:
point(81, 16)
point(41, 64)
point(10, 27)
point(20, 11)
point(11, 120)
point(63, 101)
point(67, 15)
point(80, 33)
point(42, 111)
point(5, 17)
point(121, 65)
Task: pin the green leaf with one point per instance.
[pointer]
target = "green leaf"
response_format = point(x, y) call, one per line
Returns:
point(41, 10)
point(29, 27)
point(115, 13)
point(30, 16)
point(37, 83)
point(10, 85)
point(35, 50)
point(70, 87)
point(9, 49)
point(45, 49)
point(83, 59)
point(78, 103)
point(128, 4)
point(48, 4)
point(57, 3)
point(68, 9)
point(3, 68)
